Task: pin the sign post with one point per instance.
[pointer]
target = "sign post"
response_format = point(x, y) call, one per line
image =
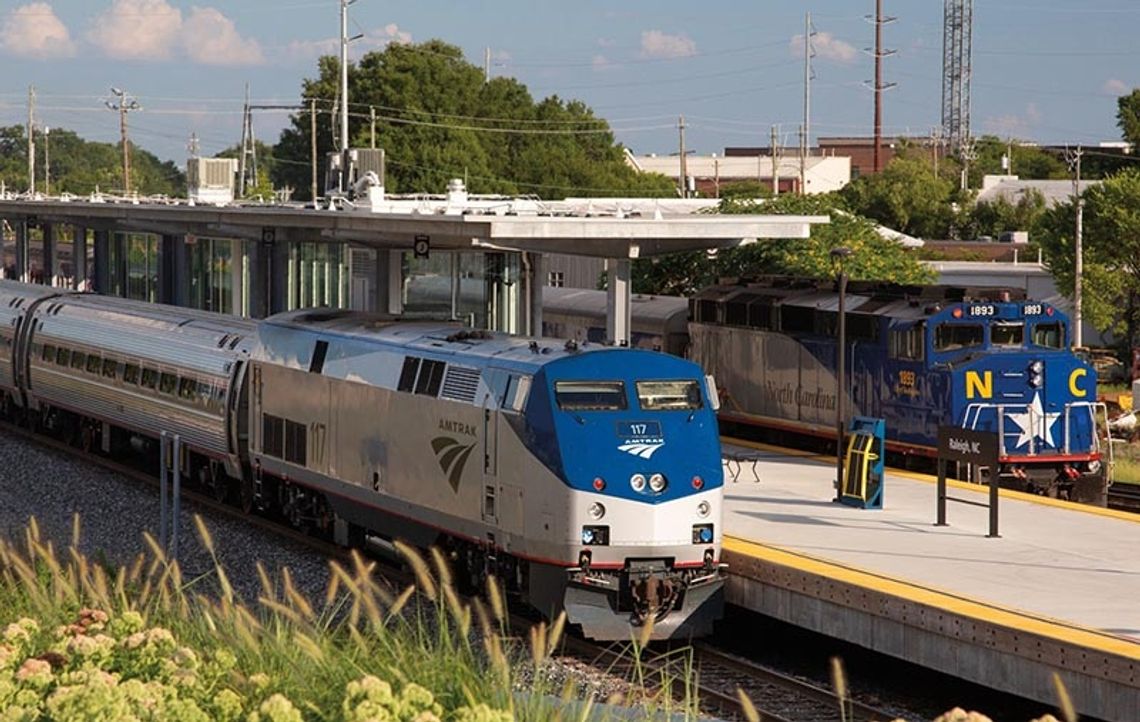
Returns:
point(979, 449)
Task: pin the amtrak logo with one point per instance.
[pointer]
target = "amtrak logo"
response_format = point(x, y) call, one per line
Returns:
point(643, 448)
point(452, 456)
point(1034, 423)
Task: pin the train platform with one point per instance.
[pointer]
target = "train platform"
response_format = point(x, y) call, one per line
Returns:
point(1059, 591)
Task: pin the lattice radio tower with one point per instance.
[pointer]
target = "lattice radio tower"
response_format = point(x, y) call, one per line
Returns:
point(957, 30)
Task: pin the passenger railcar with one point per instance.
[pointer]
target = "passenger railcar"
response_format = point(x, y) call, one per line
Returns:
point(660, 323)
point(918, 357)
point(587, 478)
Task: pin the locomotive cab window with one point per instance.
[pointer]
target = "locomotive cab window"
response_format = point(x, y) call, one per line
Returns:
point(1007, 333)
point(590, 395)
point(1049, 335)
point(668, 395)
point(953, 336)
point(907, 343)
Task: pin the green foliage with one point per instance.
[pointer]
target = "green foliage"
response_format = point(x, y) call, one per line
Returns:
point(1128, 117)
point(1110, 244)
point(744, 190)
point(80, 167)
point(906, 196)
point(873, 257)
point(438, 119)
point(995, 217)
point(1028, 161)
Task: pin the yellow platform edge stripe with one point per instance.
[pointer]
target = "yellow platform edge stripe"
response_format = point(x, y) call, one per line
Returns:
point(1021, 621)
point(963, 485)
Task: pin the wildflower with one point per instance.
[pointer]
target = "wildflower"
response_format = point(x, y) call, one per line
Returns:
point(277, 708)
point(20, 632)
point(227, 706)
point(94, 620)
point(34, 672)
point(126, 624)
point(7, 655)
point(415, 699)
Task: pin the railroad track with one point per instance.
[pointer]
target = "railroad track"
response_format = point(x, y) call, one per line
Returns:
point(702, 673)
point(1125, 497)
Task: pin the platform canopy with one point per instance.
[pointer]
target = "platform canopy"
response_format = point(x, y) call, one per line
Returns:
point(608, 236)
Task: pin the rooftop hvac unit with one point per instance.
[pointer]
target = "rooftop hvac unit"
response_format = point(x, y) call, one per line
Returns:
point(211, 180)
point(361, 161)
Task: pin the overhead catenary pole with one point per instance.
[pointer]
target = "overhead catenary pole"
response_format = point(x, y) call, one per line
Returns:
point(344, 41)
point(47, 163)
point(775, 149)
point(1078, 260)
point(805, 132)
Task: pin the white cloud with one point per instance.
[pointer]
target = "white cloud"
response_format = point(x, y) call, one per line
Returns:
point(156, 30)
point(826, 46)
point(656, 44)
point(1114, 86)
point(212, 39)
point(372, 40)
point(137, 30)
point(34, 31)
point(600, 63)
point(1014, 125)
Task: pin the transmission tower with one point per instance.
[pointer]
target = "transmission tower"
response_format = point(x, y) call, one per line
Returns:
point(957, 30)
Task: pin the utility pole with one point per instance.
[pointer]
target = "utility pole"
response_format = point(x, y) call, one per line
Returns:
point(487, 65)
point(805, 131)
point(344, 41)
point(880, 21)
point(47, 163)
point(775, 162)
point(313, 144)
point(32, 139)
point(246, 147)
point(1074, 161)
point(968, 153)
point(935, 147)
point(125, 105)
point(683, 178)
point(372, 117)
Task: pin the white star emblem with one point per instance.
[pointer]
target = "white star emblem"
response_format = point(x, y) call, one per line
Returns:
point(1034, 422)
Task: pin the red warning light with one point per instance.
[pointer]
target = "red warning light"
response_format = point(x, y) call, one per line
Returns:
point(956, 313)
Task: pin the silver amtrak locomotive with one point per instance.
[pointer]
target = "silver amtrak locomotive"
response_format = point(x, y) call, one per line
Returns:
point(587, 478)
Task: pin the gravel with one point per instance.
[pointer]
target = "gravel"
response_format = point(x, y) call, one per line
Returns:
point(114, 511)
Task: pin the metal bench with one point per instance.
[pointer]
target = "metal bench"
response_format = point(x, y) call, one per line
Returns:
point(734, 461)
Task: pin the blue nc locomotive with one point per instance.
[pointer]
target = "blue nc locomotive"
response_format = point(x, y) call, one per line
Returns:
point(918, 357)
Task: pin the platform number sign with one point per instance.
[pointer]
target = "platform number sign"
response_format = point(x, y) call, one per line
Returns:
point(268, 235)
point(421, 246)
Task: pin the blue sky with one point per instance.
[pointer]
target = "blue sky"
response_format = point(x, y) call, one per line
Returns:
point(1044, 70)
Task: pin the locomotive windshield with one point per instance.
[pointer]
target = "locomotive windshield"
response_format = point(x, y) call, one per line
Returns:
point(1007, 333)
point(668, 395)
point(590, 395)
point(1049, 335)
point(951, 336)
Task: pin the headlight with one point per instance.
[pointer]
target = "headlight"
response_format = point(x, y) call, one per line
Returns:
point(703, 509)
point(596, 511)
point(1094, 466)
point(657, 483)
point(637, 481)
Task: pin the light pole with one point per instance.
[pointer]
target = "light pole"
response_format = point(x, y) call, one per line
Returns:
point(838, 255)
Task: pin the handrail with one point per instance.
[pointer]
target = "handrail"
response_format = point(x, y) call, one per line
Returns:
point(971, 416)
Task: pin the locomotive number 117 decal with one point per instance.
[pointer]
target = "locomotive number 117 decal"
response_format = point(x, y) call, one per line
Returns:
point(981, 385)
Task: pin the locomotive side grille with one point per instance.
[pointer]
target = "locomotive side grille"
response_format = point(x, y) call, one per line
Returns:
point(460, 384)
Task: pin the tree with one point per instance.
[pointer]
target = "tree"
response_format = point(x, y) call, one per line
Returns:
point(992, 218)
point(438, 119)
point(873, 257)
point(1110, 250)
point(1128, 117)
point(905, 196)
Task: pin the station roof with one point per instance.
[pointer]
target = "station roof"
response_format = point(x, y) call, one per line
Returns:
point(550, 229)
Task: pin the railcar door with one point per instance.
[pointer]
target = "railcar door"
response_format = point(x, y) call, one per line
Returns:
point(490, 460)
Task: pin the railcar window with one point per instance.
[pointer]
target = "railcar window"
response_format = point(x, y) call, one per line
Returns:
point(668, 395)
point(951, 336)
point(187, 388)
point(131, 374)
point(150, 378)
point(1049, 335)
point(110, 368)
point(590, 395)
point(78, 360)
point(167, 383)
point(760, 315)
point(794, 319)
point(1007, 334)
point(94, 363)
point(49, 353)
point(408, 373)
point(63, 356)
point(206, 395)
